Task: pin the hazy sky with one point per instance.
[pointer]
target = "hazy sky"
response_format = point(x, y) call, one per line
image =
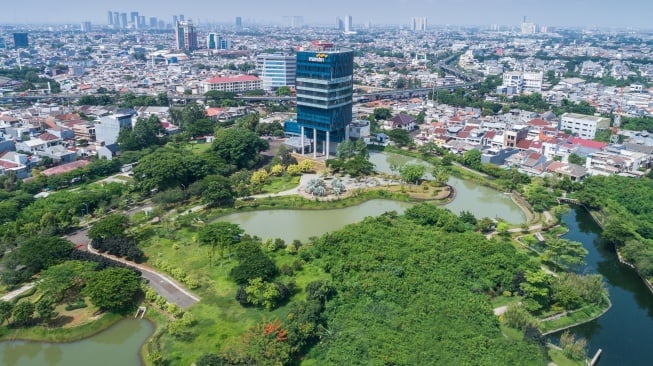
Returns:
point(609, 13)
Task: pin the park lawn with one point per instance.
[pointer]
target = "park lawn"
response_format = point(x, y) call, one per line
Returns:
point(504, 300)
point(220, 320)
point(512, 333)
point(560, 359)
point(583, 315)
point(280, 184)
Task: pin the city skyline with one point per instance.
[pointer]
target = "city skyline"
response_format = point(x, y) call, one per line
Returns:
point(439, 12)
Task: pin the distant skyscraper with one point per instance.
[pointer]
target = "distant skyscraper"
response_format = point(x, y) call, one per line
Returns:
point(239, 23)
point(186, 36)
point(116, 19)
point(123, 20)
point(154, 22)
point(133, 16)
point(141, 21)
point(21, 40)
point(110, 17)
point(348, 23)
point(340, 24)
point(161, 24)
point(175, 19)
point(296, 21)
point(86, 27)
point(181, 17)
point(212, 41)
point(418, 24)
point(324, 83)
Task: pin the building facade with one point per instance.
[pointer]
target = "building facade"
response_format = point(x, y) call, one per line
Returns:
point(324, 86)
point(186, 36)
point(238, 84)
point(108, 129)
point(276, 70)
point(582, 125)
point(21, 40)
point(418, 24)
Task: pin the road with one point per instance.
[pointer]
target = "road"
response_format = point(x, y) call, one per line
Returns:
point(163, 284)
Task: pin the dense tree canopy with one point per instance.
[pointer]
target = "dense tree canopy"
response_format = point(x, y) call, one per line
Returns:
point(113, 289)
point(239, 147)
point(412, 294)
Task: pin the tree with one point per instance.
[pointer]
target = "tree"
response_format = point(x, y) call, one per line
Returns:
point(212, 359)
point(252, 263)
point(412, 173)
point(23, 313)
point(45, 309)
point(218, 191)
point(220, 235)
point(39, 253)
point(400, 137)
point(382, 114)
point(563, 253)
point(6, 309)
point(284, 91)
point(64, 282)
point(259, 177)
point(472, 159)
point(239, 147)
point(441, 176)
point(576, 159)
point(113, 289)
point(112, 226)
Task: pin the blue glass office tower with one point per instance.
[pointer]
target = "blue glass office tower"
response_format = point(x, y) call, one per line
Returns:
point(324, 83)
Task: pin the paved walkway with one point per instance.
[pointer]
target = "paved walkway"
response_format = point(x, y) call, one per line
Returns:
point(14, 293)
point(165, 286)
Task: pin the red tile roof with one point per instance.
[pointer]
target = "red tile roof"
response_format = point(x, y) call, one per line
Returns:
point(234, 79)
point(538, 122)
point(48, 137)
point(588, 143)
point(65, 168)
point(8, 164)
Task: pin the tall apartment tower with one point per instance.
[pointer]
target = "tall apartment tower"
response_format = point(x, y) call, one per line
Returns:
point(418, 24)
point(340, 24)
point(239, 23)
point(186, 36)
point(110, 18)
point(116, 19)
point(86, 27)
point(133, 17)
point(123, 20)
point(324, 84)
point(348, 23)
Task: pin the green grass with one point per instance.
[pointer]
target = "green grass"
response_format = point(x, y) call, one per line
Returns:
point(221, 320)
point(583, 315)
point(280, 184)
point(41, 333)
point(560, 359)
point(512, 333)
point(504, 300)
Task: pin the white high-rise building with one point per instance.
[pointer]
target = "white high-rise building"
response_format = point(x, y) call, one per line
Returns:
point(418, 24)
point(348, 24)
point(276, 70)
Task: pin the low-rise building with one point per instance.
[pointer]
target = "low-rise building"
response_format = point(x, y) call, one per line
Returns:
point(237, 84)
point(582, 125)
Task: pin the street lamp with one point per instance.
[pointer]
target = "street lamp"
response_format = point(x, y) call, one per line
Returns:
point(86, 205)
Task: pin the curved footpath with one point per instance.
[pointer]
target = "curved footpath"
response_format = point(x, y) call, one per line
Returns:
point(165, 286)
